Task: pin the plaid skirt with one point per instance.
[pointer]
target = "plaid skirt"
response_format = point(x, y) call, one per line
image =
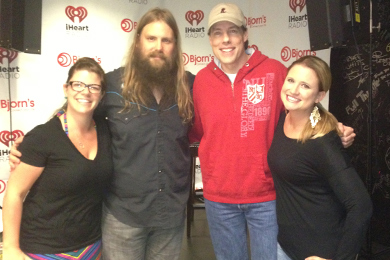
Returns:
point(91, 252)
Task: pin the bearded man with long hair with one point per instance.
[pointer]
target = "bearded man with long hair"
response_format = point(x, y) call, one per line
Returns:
point(149, 108)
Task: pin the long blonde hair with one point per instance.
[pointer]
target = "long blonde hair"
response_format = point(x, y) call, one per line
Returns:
point(328, 122)
point(134, 92)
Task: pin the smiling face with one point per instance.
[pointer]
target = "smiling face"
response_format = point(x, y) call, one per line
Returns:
point(301, 90)
point(83, 101)
point(227, 41)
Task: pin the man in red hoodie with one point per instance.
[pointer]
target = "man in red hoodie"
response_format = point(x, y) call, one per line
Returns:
point(237, 106)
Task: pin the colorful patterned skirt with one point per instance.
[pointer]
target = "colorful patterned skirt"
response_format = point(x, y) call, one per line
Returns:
point(91, 252)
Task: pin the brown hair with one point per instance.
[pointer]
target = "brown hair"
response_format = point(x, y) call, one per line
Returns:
point(133, 90)
point(90, 65)
point(328, 122)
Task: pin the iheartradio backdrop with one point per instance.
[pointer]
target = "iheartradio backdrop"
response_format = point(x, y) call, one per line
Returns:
point(31, 85)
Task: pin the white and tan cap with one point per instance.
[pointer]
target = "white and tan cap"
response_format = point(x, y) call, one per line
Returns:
point(226, 12)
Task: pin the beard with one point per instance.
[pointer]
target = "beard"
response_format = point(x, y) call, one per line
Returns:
point(159, 74)
point(155, 73)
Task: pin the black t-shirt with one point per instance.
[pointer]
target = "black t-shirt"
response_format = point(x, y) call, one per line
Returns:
point(322, 206)
point(62, 211)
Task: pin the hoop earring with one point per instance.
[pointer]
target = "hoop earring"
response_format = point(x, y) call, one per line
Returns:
point(315, 117)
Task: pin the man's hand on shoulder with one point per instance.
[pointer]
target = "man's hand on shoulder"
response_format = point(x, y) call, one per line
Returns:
point(348, 136)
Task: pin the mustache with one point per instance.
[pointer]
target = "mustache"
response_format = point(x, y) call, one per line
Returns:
point(157, 54)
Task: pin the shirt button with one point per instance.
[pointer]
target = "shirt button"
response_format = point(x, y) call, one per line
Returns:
point(159, 151)
point(160, 190)
point(158, 132)
point(246, 64)
point(160, 171)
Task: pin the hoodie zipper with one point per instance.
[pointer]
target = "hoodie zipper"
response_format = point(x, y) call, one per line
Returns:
point(234, 103)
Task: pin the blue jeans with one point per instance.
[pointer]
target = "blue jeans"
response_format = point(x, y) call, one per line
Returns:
point(121, 241)
point(228, 224)
point(281, 254)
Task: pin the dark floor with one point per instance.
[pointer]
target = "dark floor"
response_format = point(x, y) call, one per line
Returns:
point(199, 247)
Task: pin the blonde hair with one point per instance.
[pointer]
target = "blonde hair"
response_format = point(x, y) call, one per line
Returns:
point(134, 92)
point(328, 122)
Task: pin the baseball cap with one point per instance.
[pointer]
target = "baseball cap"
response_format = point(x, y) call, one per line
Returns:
point(226, 12)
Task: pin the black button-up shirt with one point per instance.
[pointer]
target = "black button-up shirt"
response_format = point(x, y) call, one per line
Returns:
point(150, 185)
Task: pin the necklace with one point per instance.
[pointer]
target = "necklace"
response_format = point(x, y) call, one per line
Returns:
point(62, 112)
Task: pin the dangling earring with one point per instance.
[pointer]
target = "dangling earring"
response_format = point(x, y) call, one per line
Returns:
point(315, 117)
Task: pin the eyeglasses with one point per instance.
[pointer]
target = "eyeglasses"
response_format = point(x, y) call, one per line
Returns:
point(79, 86)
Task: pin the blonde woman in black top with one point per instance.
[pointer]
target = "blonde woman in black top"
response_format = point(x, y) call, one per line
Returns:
point(323, 208)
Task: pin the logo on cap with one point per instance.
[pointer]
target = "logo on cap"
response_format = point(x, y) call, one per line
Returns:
point(223, 10)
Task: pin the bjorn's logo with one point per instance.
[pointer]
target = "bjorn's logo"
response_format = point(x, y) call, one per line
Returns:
point(196, 16)
point(73, 12)
point(7, 136)
point(294, 4)
point(64, 59)
point(7, 54)
point(256, 21)
point(197, 59)
point(127, 25)
point(287, 53)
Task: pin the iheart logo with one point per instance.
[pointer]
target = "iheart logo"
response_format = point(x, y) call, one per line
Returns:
point(294, 4)
point(194, 16)
point(7, 136)
point(79, 12)
point(5, 53)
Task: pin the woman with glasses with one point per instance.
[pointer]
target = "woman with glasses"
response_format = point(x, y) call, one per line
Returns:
point(53, 203)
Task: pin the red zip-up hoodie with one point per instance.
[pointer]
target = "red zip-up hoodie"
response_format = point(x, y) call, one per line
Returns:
point(235, 124)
